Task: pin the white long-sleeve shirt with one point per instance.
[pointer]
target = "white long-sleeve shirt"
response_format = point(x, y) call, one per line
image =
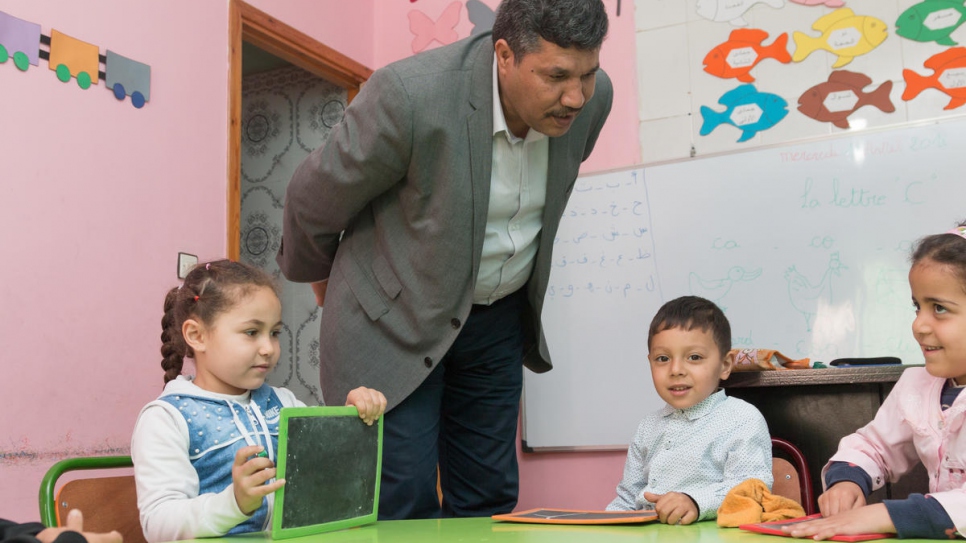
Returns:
point(167, 483)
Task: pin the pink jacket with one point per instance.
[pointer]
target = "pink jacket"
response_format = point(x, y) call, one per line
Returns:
point(911, 427)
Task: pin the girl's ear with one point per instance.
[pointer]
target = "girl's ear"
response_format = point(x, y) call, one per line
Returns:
point(194, 335)
point(727, 364)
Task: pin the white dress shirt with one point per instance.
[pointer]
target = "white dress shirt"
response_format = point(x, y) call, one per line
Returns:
point(518, 190)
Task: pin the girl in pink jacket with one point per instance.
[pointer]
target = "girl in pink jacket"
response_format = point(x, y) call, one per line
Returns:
point(920, 421)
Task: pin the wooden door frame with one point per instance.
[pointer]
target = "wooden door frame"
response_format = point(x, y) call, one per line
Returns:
point(246, 23)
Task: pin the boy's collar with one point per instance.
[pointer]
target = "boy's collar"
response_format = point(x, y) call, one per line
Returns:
point(700, 409)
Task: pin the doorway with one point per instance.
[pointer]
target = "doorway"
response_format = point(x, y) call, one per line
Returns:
point(287, 92)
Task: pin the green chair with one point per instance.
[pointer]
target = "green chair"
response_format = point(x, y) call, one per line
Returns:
point(108, 503)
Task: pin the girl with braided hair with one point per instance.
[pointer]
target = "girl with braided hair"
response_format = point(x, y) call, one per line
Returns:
point(204, 452)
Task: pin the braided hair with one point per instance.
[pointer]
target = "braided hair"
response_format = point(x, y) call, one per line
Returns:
point(208, 290)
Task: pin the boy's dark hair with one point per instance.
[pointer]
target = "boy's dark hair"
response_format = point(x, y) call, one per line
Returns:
point(689, 312)
point(946, 249)
point(208, 290)
point(581, 24)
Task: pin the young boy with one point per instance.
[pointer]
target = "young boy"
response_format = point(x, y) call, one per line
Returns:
point(686, 457)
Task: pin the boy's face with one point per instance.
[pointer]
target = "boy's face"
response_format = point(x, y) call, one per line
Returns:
point(686, 366)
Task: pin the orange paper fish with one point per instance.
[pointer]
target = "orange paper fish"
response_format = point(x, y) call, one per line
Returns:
point(949, 76)
point(839, 97)
point(742, 52)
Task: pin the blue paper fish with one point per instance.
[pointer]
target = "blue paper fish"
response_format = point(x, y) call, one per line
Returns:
point(748, 109)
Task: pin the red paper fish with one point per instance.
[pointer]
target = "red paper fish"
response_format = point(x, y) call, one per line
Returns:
point(839, 97)
point(742, 52)
point(949, 76)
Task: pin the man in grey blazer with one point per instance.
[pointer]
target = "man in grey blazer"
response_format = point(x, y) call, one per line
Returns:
point(426, 225)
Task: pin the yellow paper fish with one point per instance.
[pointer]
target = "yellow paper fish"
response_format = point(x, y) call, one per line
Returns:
point(844, 34)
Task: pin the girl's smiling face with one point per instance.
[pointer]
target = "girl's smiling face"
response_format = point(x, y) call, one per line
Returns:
point(939, 296)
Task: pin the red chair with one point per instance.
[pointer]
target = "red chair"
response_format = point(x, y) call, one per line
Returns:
point(792, 479)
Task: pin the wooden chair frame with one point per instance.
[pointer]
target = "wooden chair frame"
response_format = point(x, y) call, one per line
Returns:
point(111, 497)
point(797, 460)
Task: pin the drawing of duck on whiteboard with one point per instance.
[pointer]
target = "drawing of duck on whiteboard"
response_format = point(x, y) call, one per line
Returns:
point(715, 289)
point(804, 296)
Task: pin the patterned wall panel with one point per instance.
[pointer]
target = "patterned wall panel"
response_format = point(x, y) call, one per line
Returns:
point(286, 114)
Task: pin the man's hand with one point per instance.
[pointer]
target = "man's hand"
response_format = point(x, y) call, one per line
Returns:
point(75, 523)
point(319, 289)
point(673, 507)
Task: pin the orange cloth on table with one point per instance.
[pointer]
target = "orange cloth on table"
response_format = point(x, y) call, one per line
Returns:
point(750, 502)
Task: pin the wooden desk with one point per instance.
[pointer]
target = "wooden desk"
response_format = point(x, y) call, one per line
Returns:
point(816, 408)
point(473, 530)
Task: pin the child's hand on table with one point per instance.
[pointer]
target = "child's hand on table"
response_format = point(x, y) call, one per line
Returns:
point(871, 519)
point(841, 497)
point(673, 507)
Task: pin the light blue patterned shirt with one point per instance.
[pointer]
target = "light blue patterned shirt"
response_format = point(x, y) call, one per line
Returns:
point(703, 451)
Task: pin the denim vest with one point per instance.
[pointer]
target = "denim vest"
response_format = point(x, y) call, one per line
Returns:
point(215, 436)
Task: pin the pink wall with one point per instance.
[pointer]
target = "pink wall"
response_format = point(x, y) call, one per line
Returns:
point(98, 198)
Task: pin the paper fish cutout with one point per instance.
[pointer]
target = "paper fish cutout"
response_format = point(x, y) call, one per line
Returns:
point(731, 10)
point(844, 34)
point(742, 52)
point(747, 109)
point(480, 15)
point(949, 76)
point(425, 30)
point(829, 3)
point(932, 20)
point(840, 96)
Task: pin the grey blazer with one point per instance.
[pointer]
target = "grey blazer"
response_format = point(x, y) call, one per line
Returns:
point(405, 180)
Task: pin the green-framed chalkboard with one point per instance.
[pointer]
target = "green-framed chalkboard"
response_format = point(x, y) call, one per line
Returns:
point(331, 462)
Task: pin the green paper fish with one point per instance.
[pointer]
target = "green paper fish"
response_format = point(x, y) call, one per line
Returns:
point(932, 20)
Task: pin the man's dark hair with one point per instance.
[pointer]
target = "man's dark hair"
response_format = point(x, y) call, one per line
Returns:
point(581, 24)
point(689, 312)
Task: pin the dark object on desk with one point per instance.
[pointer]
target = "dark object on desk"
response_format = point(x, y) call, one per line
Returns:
point(774, 528)
point(575, 516)
point(332, 464)
point(875, 361)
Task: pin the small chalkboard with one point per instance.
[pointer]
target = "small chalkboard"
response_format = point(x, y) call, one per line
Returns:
point(331, 462)
point(577, 516)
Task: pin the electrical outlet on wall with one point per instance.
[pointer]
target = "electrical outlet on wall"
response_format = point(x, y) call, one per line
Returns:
point(185, 263)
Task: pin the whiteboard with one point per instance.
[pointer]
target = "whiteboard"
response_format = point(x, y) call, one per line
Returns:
point(805, 247)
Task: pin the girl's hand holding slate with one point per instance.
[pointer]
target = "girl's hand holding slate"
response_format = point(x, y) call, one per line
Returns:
point(370, 403)
point(841, 497)
point(673, 507)
point(249, 474)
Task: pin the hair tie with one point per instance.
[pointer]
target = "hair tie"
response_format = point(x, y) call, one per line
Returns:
point(959, 231)
point(196, 297)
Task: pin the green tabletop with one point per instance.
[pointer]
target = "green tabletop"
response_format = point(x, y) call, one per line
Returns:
point(485, 530)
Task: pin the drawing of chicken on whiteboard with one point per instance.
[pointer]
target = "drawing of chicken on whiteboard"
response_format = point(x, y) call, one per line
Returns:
point(805, 296)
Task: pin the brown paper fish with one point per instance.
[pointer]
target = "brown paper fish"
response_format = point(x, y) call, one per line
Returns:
point(834, 100)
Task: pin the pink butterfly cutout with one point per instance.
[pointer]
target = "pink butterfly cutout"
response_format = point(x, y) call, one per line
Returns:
point(425, 30)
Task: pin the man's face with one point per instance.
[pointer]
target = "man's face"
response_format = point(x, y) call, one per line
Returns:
point(547, 88)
